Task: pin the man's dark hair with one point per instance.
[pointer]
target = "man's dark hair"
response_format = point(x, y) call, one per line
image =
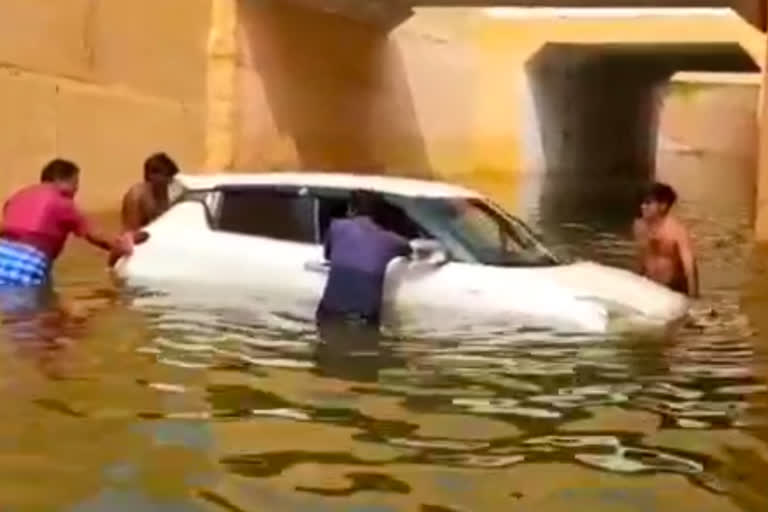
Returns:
point(59, 170)
point(364, 202)
point(160, 163)
point(661, 193)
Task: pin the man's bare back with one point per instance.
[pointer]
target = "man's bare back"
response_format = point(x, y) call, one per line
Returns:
point(146, 201)
point(664, 247)
point(142, 205)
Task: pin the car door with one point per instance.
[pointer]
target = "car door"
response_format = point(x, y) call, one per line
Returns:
point(416, 293)
point(424, 296)
point(263, 238)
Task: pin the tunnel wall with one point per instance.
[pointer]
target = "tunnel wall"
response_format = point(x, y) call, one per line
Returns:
point(103, 83)
point(598, 119)
point(695, 114)
point(595, 118)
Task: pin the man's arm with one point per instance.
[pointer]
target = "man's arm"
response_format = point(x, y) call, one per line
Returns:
point(98, 239)
point(81, 227)
point(86, 231)
point(688, 260)
point(132, 210)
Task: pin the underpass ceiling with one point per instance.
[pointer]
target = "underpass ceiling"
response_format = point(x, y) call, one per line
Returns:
point(393, 12)
point(667, 58)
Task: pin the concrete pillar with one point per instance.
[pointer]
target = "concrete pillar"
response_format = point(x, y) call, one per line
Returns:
point(385, 14)
point(221, 85)
point(761, 203)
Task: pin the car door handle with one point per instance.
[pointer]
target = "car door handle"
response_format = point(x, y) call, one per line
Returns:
point(321, 267)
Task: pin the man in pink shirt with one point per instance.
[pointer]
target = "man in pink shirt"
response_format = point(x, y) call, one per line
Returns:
point(36, 223)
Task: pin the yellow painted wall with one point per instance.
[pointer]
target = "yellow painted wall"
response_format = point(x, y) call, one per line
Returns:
point(104, 83)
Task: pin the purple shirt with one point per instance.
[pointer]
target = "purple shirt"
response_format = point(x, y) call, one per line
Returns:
point(359, 252)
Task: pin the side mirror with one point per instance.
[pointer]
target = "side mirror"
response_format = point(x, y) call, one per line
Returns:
point(430, 251)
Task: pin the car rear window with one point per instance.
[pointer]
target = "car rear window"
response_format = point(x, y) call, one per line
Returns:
point(268, 212)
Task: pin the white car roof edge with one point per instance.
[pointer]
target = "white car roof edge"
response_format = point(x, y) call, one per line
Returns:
point(388, 184)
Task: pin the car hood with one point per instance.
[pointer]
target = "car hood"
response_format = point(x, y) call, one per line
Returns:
point(620, 291)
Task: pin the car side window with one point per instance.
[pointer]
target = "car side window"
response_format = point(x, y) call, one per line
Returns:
point(334, 205)
point(282, 214)
point(328, 209)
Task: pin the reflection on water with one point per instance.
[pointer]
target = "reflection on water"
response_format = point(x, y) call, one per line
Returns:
point(113, 406)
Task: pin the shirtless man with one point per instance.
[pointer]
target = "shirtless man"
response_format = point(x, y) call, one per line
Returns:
point(146, 201)
point(664, 247)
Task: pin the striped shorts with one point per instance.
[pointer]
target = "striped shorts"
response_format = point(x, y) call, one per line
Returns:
point(22, 264)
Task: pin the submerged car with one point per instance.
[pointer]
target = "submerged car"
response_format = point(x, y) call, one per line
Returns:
point(259, 237)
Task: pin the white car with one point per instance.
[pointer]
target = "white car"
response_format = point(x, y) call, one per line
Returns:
point(258, 238)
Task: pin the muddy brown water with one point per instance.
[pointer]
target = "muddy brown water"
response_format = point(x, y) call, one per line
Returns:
point(159, 409)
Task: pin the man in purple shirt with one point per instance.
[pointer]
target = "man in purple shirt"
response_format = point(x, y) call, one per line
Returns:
point(359, 251)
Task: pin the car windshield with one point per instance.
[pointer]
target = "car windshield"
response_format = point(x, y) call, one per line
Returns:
point(474, 231)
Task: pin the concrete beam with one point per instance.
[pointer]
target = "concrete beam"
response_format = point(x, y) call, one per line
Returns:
point(673, 57)
point(753, 11)
point(383, 13)
point(391, 13)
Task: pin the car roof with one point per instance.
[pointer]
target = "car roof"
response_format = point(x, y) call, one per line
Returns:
point(384, 184)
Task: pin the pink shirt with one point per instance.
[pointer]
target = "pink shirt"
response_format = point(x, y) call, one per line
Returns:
point(42, 216)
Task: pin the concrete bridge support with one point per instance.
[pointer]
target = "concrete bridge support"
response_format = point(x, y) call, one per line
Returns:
point(761, 203)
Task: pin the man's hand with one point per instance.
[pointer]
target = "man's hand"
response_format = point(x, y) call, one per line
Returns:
point(430, 251)
point(124, 244)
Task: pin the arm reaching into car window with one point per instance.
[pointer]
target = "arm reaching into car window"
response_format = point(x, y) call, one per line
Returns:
point(427, 250)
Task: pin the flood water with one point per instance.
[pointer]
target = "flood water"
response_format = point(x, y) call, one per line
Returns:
point(128, 408)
